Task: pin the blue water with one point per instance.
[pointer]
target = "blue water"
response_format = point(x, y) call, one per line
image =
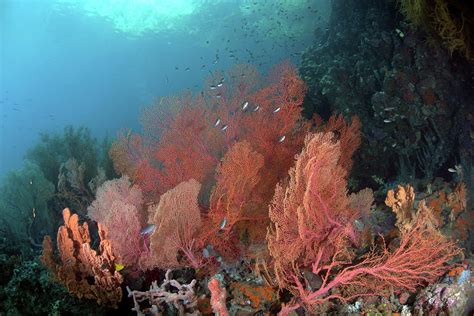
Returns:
point(62, 63)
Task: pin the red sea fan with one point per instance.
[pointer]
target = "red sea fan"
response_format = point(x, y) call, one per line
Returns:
point(127, 153)
point(348, 136)
point(234, 193)
point(235, 203)
point(185, 137)
point(312, 232)
point(312, 212)
point(420, 259)
point(189, 149)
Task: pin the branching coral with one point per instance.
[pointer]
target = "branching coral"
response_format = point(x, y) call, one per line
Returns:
point(171, 292)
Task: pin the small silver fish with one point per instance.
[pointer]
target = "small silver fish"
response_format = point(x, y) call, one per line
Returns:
point(31, 182)
point(245, 105)
point(220, 84)
point(149, 229)
point(281, 139)
point(218, 96)
point(277, 110)
point(255, 109)
point(389, 109)
point(223, 223)
point(387, 121)
point(224, 127)
point(400, 33)
point(452, 170)
point(359, 225)
point(213, 87)
point(218, 121)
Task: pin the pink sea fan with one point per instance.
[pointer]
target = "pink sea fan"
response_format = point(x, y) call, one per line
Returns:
point(118, 207)
point(112, 191)
point(177, 219)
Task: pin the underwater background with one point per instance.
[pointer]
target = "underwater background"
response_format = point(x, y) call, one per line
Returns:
point(291, 157)
point(115, 57)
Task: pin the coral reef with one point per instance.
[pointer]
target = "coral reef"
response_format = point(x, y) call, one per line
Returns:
point(359, 206)
point(453, 296)
point(324, 247)
point(412, 98)
point(27, 289)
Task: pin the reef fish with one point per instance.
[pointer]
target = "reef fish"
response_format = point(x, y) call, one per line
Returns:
point(119, 267)
point(223, 223)
point(400, 33)
point(149, 229)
